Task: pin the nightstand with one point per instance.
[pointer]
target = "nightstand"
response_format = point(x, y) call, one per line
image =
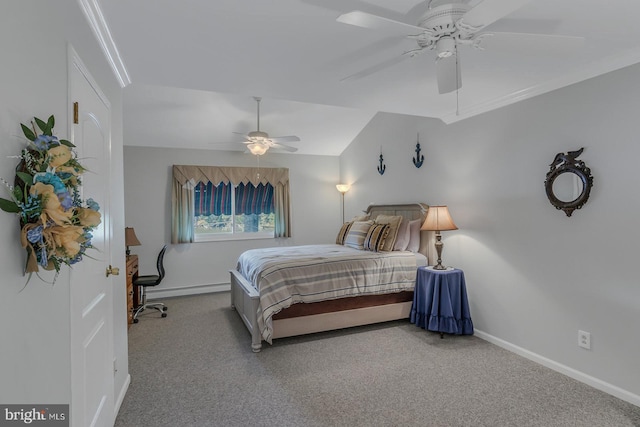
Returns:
point(440, 302)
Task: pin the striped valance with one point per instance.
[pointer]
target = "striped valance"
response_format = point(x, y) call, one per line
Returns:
point(212, 199)
point(229, 174)
point(252, 199)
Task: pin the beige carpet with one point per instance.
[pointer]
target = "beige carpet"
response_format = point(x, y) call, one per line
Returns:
point(195, 368)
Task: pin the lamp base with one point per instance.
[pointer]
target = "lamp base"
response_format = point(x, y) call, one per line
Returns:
point(439, 267)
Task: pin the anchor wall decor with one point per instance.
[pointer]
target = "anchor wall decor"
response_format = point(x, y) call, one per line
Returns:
point(419, 159)
point(382, 166)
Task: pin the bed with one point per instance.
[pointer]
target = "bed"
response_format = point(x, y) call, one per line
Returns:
point(282, 292)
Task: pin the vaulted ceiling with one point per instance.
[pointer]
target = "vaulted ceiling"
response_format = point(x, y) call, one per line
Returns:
point(195, 65)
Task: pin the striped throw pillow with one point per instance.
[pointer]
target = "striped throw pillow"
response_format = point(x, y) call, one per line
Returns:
point(342, 234)
point(357, 233)
point(376, 237)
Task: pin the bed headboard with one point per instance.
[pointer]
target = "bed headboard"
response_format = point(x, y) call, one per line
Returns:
point(409, 212)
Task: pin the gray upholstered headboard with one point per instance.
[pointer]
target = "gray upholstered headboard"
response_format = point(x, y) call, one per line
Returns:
point(409, 212)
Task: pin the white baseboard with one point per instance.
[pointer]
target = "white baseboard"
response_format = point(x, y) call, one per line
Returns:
point(120, 397)
point(596, 383)
point(187, 290)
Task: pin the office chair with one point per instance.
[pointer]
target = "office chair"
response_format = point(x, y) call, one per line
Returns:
point(150, 280)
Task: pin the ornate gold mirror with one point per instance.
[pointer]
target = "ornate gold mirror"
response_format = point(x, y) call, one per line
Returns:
point(568, 182)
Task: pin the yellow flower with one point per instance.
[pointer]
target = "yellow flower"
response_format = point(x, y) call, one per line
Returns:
point(88, 217)
point(67, 169)
point(67, 240)
point(51, 207)
point(59, 155)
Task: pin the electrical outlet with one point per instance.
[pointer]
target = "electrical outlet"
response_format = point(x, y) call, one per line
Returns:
point(584, 339)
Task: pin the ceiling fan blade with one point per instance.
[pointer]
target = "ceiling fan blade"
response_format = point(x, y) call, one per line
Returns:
point(489, 11)
point(448, 74)
point(284, 147)
point(547, 43)
point(290, 138)
point(375, 22)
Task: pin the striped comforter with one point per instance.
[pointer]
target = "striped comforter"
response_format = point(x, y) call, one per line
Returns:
point(287, 275)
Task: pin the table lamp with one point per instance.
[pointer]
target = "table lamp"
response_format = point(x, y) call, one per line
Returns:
point(130, 239)
point(438, 219)
point(342, 188)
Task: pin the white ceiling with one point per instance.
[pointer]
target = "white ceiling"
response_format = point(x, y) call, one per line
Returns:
point(195, 66)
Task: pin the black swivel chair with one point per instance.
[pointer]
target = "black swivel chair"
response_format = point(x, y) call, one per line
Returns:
point(150, 280)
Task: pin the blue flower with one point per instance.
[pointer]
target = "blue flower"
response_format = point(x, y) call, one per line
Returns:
point(44, 142)
point(66, 201)
point(92, 204)
point(52, 179)
point(31, 208)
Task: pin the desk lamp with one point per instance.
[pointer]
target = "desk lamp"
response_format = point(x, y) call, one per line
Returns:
point(438, 219)
point(130, 239)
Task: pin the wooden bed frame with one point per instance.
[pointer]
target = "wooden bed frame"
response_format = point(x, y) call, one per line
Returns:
point(300, 319)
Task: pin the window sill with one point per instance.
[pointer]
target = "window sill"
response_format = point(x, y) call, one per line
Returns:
point(230, 237)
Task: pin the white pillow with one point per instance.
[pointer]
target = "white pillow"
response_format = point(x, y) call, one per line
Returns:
point(402, 241)
point(414, 235)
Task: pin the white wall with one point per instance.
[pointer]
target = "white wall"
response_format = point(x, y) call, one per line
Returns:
point(534, 276)
point(193, 268)
point(34, 321)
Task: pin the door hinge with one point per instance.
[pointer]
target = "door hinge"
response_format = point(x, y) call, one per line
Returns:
point(75, 113)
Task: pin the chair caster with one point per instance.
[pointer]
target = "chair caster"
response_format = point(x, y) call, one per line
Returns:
point(135, 320)
point(164, 315)
point(164, 308)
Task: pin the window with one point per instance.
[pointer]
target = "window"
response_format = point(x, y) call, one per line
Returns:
point(245, 203)
point(227, 211)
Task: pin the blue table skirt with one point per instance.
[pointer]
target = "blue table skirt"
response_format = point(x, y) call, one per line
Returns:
point(440, 302)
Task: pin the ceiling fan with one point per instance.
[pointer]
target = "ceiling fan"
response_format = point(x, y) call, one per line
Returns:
point(259, 142)
point(448, 25)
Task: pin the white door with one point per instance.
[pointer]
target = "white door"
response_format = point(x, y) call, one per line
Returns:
point(92, 384)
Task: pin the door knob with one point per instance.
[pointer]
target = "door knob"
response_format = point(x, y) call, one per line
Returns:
point(113, 270)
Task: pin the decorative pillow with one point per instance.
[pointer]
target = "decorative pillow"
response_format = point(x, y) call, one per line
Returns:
point(394, 223)
point(360, 218)
point(376, 236)
point(357, 233)
point(402, 241)
point(414, 235)
point(342, 234)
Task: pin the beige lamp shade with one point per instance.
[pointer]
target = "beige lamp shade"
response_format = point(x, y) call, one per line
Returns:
point(130, 239)
point(343, 188)
point(438, 219)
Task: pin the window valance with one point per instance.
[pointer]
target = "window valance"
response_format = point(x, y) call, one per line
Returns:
point(236, 175)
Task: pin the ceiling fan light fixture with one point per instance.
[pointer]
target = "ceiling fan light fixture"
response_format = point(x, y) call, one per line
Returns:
point(446, 47)
point(257, 148)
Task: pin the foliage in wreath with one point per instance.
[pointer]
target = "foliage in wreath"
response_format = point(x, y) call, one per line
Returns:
point(56, 224)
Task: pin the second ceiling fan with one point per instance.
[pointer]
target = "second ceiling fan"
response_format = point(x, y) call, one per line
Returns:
point(258, 142)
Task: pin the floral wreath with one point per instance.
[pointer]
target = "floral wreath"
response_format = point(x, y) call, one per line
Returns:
point(56, 224)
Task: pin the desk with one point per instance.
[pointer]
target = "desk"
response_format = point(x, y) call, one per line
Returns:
point(440, 302)
point(132, 300)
